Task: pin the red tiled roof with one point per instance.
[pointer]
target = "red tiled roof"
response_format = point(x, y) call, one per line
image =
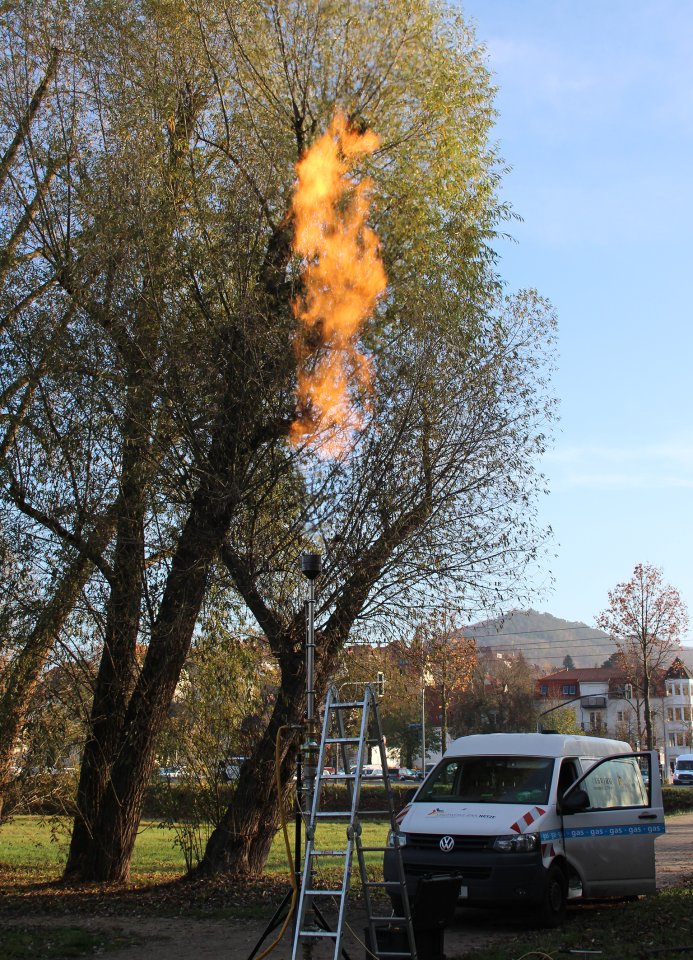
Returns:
point(584, 675)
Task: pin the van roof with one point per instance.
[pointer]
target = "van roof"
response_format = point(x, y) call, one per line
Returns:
point(536, 744)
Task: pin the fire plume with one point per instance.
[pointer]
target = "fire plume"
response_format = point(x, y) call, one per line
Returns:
point(343, 278)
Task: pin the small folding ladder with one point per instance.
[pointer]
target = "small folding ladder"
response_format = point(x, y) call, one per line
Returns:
point(365, 716)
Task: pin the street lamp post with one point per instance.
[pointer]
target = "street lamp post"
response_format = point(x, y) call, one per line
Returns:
point(423, 721)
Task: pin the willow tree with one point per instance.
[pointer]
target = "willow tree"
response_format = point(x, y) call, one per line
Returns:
point(168, 240)
point(435, 497)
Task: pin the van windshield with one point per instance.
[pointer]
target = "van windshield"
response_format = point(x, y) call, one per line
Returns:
point(489, 780)
point(684, 764)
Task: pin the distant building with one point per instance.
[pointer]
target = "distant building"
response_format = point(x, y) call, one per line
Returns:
point(605, 704)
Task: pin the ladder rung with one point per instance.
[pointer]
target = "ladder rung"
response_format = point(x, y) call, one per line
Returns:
point(347, 705)
point(342, 740)
point(375, 813)
point(317, 933)
point(323, 893)
point(333, 813)
point(382, 883)
point(328, 853)
point(401, 954)
point(326, 778)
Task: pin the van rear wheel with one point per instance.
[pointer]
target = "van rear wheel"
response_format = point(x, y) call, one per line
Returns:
point(553, 907)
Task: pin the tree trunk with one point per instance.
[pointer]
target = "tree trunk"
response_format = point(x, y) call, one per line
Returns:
point(241, 841)
point(648, 713)
point(27, 666)
point(118, 665)
point(103, 853)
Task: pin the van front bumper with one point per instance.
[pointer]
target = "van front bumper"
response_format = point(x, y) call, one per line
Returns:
point(486, 877)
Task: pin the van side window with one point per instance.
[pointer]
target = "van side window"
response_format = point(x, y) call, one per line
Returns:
point(568, 775)
point(618, 782)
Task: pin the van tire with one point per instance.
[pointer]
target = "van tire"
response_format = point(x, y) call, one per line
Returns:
point(553, 907)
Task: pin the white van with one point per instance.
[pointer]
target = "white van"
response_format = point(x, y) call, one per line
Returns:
point(683, 770)
point(535, 819)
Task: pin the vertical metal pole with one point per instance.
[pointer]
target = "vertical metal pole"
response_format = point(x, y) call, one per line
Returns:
point(423, 723)
point(298, 842)
point(311, 567)
point(310, 653)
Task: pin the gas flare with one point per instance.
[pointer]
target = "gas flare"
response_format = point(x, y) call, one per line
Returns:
point(343, 278)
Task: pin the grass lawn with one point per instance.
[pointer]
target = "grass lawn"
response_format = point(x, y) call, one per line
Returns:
point(38, 846)
point(35, 848)
point(658, 927)
point(32, 851)
point(58, 944)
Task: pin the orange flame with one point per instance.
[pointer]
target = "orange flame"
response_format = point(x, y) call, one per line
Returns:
point(343, 278)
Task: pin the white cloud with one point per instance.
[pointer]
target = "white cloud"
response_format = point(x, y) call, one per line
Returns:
point(663, 466)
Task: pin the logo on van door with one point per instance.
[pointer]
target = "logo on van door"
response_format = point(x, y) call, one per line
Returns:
point(447, 844)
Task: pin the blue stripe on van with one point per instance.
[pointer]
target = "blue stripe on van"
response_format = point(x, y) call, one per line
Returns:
point(625, 830)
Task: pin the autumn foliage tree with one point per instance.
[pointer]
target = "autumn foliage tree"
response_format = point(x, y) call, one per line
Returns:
point(441, 658)
point(646, 619)
point(499, 697)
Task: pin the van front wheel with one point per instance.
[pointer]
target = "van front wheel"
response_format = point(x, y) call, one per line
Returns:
point(553, 908)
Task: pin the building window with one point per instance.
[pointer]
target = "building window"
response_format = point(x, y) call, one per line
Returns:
point(672, 740)
point(544, 690)
point(568, 690)
point(620, 716)
point(678, 714)
point(670, 713)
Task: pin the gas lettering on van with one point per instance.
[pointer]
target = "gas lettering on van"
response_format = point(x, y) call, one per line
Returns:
point(582, 816)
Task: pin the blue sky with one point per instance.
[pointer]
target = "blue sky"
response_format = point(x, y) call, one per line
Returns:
point(596, 119)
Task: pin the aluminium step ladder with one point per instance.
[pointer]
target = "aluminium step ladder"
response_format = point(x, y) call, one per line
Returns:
point(352, 747)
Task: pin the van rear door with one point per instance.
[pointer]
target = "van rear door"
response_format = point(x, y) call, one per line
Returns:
point(610, 820)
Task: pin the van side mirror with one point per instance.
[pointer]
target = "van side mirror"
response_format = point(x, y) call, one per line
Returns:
point(575, 802)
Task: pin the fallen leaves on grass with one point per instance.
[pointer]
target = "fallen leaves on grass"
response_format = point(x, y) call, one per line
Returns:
point(181, 897)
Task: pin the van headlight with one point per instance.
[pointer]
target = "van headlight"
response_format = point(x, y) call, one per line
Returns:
point(514, 843)
point(391, 839)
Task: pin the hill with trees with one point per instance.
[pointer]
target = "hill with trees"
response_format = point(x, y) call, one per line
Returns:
point(543, 639)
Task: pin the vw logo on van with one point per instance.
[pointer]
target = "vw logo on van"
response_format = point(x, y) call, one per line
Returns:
point(447, 844)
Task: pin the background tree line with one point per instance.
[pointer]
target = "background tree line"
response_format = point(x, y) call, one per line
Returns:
point(148, 378)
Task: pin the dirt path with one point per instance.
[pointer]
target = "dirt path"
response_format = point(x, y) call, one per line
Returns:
point(185, 939)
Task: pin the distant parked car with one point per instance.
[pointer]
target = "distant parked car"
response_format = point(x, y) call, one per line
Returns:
point(170, 773)
point(683, 770)
point(369, 771)
point(406, 773)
